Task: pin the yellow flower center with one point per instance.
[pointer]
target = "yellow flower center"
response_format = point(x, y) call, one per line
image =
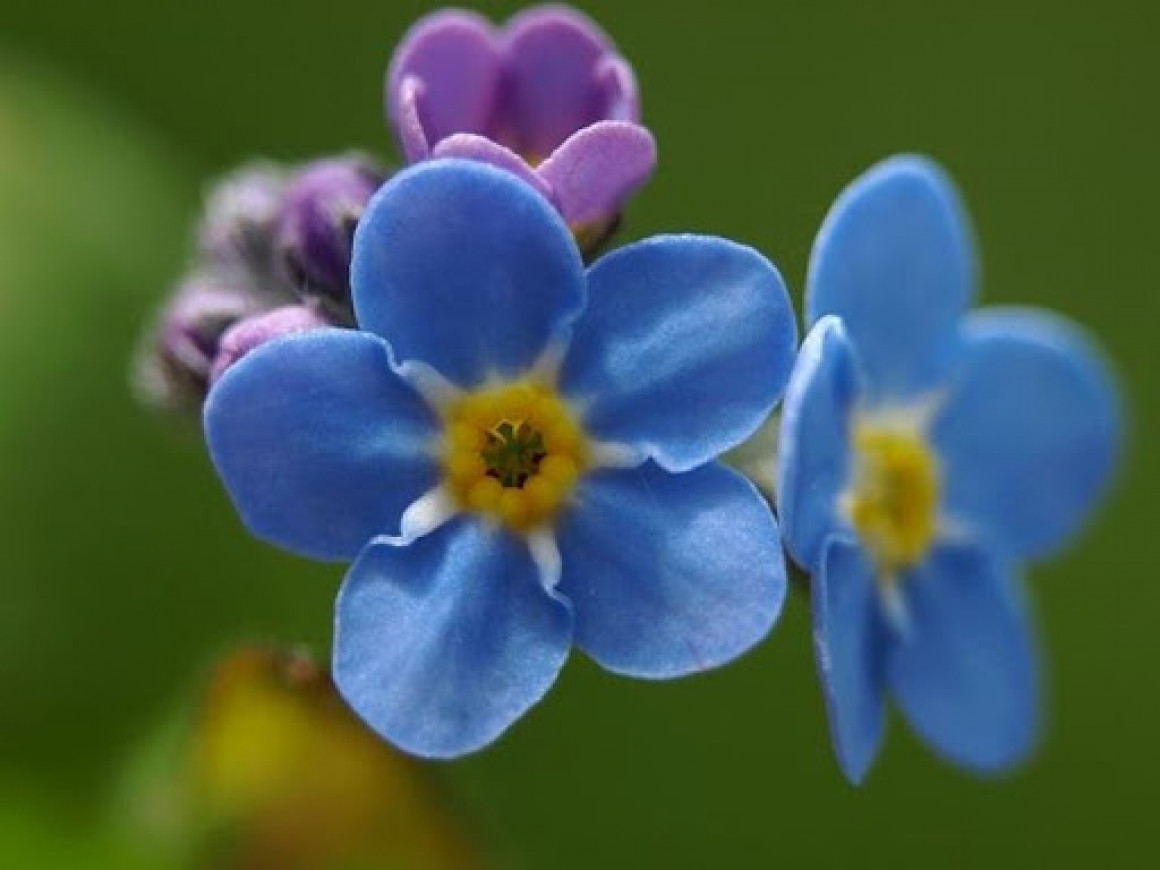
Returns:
point(892, 500)
point(513, 452)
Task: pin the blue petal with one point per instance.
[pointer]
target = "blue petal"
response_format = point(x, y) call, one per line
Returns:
point(894, 259)
point(684, 350)
point(441, 645)
point(1030, 433)
point(670, 573)
point(814, 445)
point(849, 644)
point(465, 268)
point(320, 444)
point(964, 671)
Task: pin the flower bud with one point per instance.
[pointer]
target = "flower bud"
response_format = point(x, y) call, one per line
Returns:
point(251, 332)
point(241, 212)
point(173, 367)
point(316, 227)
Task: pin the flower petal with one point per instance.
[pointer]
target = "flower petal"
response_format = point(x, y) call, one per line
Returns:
point(442, 644)
point(1030, 432)
point(894, 259)
point(964, 671)
point(465, 268)
point(814, 447)
point(408, 121)
point(552, 88)
point(319, 442)
point(684, 349)
point(469, 146)
point(620, 95)
point(252, 332)
point(848, 643)
point(597, 169)
point(452, 59)
point(670, 573)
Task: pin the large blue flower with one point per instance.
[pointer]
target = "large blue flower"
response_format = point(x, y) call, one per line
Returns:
point(516, 454)
point(924, 455)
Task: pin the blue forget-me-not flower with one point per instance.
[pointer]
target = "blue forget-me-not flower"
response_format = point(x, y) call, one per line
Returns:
point(925, 453)
point(517, 455)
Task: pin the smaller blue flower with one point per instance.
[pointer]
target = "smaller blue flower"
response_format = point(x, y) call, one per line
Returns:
point(926, 453)
point(518, 455)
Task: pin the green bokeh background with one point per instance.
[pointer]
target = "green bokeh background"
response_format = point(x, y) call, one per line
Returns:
point(123, 568)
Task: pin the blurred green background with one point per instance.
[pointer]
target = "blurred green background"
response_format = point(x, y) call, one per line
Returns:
point(123, 569)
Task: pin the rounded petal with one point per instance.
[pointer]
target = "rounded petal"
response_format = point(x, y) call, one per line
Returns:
point(1030, 432)
point(849, 645)
point(895, 260)
point(465, 268)
point(469, 146)
point(813, 456)
point(320, 444)
point(620, 95)
point(964, 671)
point(684, 350)
point(452, 60)
point(551, 58)
point(442, 644)
point(670, 573)
point(597, 169)
point(250, 333)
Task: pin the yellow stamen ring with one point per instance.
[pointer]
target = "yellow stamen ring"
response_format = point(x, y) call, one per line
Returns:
point(514, 452)
point(893, 496)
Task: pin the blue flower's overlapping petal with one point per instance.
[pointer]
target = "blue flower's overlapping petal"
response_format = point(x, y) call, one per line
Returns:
point(685, 348)
point(1030, 431)
point(465, 268)
point(965, 671)
point(319, 443)
point(894, 259)
point(670, 574)
point(442, 644)
point(813, 451)
point(848, 643)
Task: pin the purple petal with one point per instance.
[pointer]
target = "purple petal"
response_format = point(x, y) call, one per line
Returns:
point(408, 124)
point(551, 87)
point(252, 332)
point(479, 148)
point(173, 366)
point(317, 220)
point(443, 79)
point(597, 169)
point(618, 90)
